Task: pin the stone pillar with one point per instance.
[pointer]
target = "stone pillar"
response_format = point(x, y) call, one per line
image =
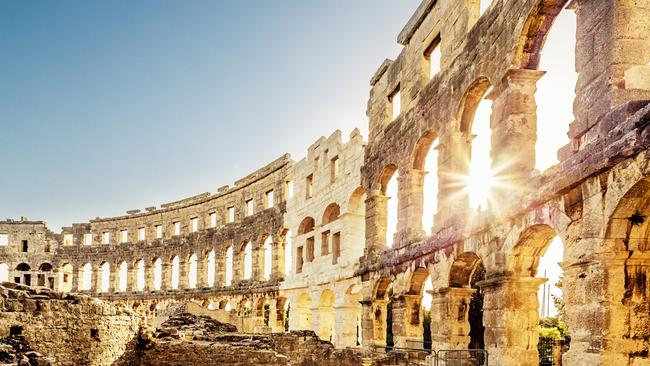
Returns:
point(202, 271)
point(450, 318)
point(114, 280)
point(183, 272)
point(376, 206)
point(132, 278)
point(97, 280)
point(166, 276)
point(277, 264)
point(410, 206)
point(408, 331)
point(220, 271)
point(345, 324)
point(510, 316)
point(373, 322)
point(453, 158)
point(514, 131)
point(258, 262)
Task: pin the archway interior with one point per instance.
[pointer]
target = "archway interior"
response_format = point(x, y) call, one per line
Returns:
point(392, 205)
point(211, 267)
point(106, 277)
point(555, 90)
point(229, 266)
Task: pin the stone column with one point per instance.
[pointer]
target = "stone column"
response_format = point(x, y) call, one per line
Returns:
point(376, 206)
point(97, 280)
point(407, 321)
point(202, 271)
point(166, 276)
point(132, 278)
point(510, 316)
point(410, 206)
point(183, 273)
point(277, 265)
point(373, 322)
point(450, 318)
point(114, 280)
point(258, 262)
point(514, 131)
point(345, 324)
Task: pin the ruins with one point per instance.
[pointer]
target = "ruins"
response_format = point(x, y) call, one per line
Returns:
point(306, 245)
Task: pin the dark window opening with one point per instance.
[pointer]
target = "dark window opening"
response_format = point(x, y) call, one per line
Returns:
point(94, 334)
point(15, 330)
point(24, 246)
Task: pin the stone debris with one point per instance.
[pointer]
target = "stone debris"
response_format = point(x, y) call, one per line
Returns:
point(189, 326)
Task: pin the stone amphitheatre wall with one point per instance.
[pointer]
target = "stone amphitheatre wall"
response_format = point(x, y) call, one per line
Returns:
point(596, 200)
point(68, 329)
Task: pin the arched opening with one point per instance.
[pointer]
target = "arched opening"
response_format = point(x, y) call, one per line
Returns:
point(247, 250)
point(4, 272)
point(538, 253)
point(229, 267)
point(139, 279)
point(426, 159)
point(352, 298)
point(122, 276)
point(465, 294)
point(627, 236)
point(389, 188)
point(326, 316)
point(419, 307)
point(106, 277)
point(86, 277)
point(549, 44)
point(268, 257)
point(26, 277)
point(45, 267)
point(211, 268)
point(332, 212)
point(306, 226)
point(157, 274)
point(192, 271)
point(175, 272)
point(475, 123)
point(23, 267)
point(288, 253)
point(303, 313)
point(382, 313)
point(282, 315)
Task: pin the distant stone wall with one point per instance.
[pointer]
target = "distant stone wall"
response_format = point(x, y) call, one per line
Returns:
point(71, 329)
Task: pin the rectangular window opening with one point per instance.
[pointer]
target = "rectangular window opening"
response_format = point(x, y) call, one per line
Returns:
point(159, 232)
point(195, 224)
point(4, 240)
point(336, 247)
point(124, 236)
point(334, 168)
point(249, 207)
point(395, 103)
point(68, 239)
point(24, 246)
point(310, 249)
point(433, 56)
point(325, 243)
point(289, 187)
point(141, 234)
point(88, 239)
point(231, 214)
point(299, 260)
point(269, 199)
point(177, 228)
point(106, 237)
point(309, 186)
point(213, 219)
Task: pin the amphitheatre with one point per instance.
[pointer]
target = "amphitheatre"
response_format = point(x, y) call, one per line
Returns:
point(295, 264)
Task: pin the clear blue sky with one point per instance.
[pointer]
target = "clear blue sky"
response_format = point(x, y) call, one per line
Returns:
point(113, 105)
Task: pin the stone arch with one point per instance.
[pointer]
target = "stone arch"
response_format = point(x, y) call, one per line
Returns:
point(332, 213)
point(23, 267)
point(530, 248)
point(267, 257)
point(246, 250)
point(357, 201)
point(386, 175)
point(306, 225)
point(156, 269)
point(45, 267)
point(326, 316)
point(422, 148)
point(471, 99)
point(140, 275)
point(534, 33)
point(86, 277)
point(174, 271)
point(462, 268)
point(211, 264)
